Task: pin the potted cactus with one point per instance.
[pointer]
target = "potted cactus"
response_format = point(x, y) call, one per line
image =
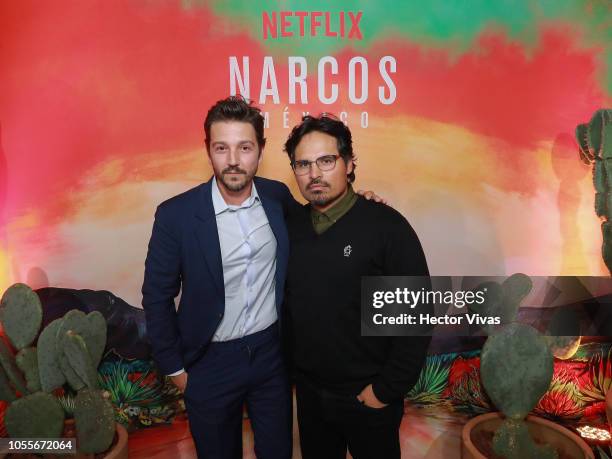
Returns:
point(516, 366)
point(66, 356)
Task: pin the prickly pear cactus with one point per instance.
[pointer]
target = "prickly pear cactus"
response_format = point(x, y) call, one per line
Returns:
point(91, 327)
point(7, 360)
point(74, 321)
point(68, 350)
point(502, 300)
point(595, 142)
point(38, 415)
point(21, 315)
point(27, 361)
point(79, 359)
point(95, 420)
point(516, 369)
point(516, 288)
point(51, 375)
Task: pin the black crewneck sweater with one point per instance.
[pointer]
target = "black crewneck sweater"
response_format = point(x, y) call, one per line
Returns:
point(322, 300)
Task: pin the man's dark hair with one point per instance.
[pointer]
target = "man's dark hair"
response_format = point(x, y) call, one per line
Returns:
point(235, 108)
point(330, 125)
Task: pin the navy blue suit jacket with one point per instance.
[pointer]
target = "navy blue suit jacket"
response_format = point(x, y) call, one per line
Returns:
point(184, 255)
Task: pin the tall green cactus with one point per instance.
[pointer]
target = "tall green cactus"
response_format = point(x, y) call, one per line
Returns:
point(595, 148)
point(68, 351)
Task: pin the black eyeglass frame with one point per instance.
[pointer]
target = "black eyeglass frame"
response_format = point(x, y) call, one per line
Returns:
point(308, 164)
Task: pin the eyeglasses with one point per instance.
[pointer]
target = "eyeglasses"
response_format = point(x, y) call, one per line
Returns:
point(324, 163)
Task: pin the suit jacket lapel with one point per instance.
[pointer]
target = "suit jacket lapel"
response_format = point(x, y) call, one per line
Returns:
point(207, 234)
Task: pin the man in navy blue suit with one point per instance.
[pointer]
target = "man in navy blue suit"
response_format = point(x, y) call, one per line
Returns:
point(224, 246)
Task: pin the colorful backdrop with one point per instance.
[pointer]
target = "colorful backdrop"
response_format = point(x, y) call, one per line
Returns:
point(468, 125)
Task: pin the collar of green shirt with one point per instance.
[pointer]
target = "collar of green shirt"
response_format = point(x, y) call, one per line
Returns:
point(322, 221)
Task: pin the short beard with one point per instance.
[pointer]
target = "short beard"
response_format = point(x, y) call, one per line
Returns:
point(321, 199)
point(235, 186)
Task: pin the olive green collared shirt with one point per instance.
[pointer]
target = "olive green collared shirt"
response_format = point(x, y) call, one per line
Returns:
point(322, 221)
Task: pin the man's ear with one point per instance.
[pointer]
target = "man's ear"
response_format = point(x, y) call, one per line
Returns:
point(349, 166)
point(261, 150)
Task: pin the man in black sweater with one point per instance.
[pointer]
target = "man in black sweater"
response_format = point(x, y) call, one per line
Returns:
point(349, 388)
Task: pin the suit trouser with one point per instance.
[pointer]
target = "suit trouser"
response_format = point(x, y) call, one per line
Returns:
point(329, 422)
point(230, 373)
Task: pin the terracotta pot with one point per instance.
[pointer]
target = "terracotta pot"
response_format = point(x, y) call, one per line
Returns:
point(120, 449)
point(545, 431)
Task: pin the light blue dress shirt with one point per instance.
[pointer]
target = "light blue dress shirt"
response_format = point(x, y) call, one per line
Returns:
point(248, 255)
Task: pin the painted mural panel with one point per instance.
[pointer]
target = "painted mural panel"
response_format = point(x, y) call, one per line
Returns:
point(462, 113)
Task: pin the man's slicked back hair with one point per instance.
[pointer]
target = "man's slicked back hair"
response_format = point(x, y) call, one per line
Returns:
point(235, 108)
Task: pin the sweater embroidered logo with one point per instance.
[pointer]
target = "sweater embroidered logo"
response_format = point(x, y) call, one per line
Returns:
point(347, 250)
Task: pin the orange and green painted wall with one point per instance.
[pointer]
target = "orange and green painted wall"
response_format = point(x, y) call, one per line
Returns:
point(102, 104)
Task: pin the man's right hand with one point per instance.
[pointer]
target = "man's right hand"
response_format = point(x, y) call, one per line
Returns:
point(180, 381)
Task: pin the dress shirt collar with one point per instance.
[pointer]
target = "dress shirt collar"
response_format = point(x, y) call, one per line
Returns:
point(321, 221)
point(221, 206)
